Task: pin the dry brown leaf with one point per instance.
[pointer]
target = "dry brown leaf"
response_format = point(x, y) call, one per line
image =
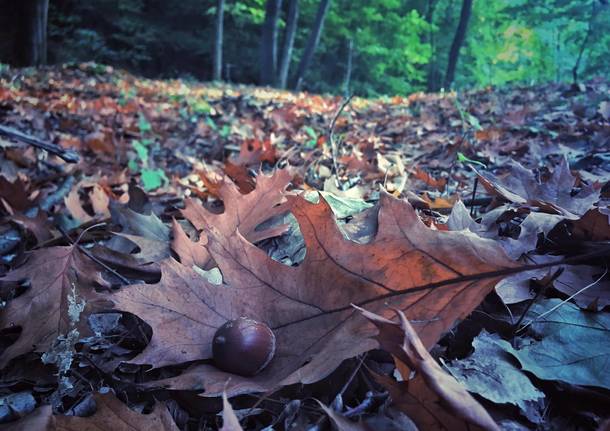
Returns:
point(99, 201)
point(229, 420)
point(433, 398)
point(433, 276)
point(41, 419)
point(17, 194)
point(244, 212)
point(113, 415)
point(190, 253)
point(553, 195)
point(424, 176)
point(253, 152)
point(100, 142)
point(75, 207)
point(593, 226)
point(52, 274)
point(340, 421)
point(240, 176)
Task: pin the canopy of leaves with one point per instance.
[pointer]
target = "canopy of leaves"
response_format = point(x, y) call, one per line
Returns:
point(397, 46)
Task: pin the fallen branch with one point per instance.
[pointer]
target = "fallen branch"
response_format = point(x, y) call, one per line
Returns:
point(69, 156)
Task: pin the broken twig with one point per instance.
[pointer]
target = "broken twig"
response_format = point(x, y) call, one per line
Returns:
point(331, 138)
point(69, 156)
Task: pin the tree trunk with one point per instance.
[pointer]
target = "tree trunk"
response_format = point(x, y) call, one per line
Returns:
point(348, 68)
point(432, 79)
point(458, 40)
point(312, 42)
point(269, 42)
point(291, 31)
point(220, 11)
point(31, 39)
point(584, 44)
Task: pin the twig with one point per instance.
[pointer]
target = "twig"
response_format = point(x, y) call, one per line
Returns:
point(546, 313)
point(331, 138)
point(474, 194)
point(536, 296)
point(90, 255)
point(69, 156)
point(351, 378)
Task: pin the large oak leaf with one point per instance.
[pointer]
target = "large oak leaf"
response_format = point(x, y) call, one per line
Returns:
point(432, 276)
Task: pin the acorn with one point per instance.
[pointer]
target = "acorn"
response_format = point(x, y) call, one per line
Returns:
point(243, 346)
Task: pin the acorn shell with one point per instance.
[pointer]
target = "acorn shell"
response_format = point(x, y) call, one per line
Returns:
point(243, 346)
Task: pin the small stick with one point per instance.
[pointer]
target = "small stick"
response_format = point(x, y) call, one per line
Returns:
point(474, 194)
point(331, 138)
point(546, 313)
point(90, 255)
point(538, 294)
point(69, 156)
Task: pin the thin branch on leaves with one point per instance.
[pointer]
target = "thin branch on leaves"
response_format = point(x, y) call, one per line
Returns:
point(69, 156)
point(331, 138)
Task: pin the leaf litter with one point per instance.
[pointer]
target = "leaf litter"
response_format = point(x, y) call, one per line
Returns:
point(117, 270)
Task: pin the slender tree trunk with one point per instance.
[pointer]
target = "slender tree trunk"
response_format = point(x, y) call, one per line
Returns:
point(291, 31)
point(584, 44)
point(220, 12)
point(312, 42)
point(348, 68)
point(269, 42)
point(432, 81)
point(458, 40)
point(31, 39)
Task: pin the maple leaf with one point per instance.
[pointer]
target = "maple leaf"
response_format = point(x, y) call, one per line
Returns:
point(433, 276)
point(42, 310)
point(553, 195)
point(433, 399)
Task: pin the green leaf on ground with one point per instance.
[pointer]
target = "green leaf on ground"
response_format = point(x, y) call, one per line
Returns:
point(490, 372)
point(569, 345)
point(153, 179)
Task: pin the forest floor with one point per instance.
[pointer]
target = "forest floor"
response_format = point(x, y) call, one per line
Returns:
point(483, 217)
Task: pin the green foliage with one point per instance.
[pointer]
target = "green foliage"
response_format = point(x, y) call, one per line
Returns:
point(399, 46)
point(151, 177)
point(578, 340)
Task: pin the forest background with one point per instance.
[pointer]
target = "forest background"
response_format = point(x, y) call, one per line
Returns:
point(370, 48)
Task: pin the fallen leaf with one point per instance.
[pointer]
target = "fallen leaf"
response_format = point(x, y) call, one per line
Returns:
point(229, 420)
point(40, 419)
point(340, 421)
point(74, 206)
point(424, 176)
point(113, 415)
point(533, 224)
point(570, 345)
point(190, 252)
point(593, 226)
point(554, 195)
point(254, 151)
point(52, 273)
point(489, 371)
point(100, 142)
point(433, 399)
point(244, 212)
point(431, 275)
